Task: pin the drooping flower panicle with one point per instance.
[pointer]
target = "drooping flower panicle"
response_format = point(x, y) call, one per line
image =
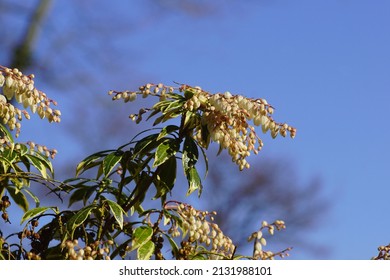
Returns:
point(21, 88)
point(223, 117)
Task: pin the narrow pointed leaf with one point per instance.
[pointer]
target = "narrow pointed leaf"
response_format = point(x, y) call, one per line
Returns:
point(78, 219)
point(91, 161)
point(166, 177)
point(110, 161)
point(117, 211)
point(35, 212)
point(167, 130)
point(33, 196)
point(141, 235)
point(82, 194)
point(190, 153)
point(19, 198)
point(38, 164)
point(165, 150)
point(194, 182)
point(145, 251)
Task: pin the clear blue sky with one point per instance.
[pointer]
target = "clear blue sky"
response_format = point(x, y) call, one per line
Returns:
point(324, 65)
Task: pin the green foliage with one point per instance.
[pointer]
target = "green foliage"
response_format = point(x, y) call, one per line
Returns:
point(108, 199)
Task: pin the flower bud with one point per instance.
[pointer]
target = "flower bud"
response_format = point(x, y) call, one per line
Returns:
point(258, 246)
point(3, 100)
point(2, 79)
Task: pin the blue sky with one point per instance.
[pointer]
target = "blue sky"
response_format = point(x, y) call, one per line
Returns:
point(325, 67)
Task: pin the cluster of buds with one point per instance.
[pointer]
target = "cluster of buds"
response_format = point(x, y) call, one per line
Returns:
point(41, 149)
point(146, 90)
point(260, 241)
point(384, 253)
point(30, 232)
point(5, 143)
point(4, 204)
point(21, 87)
point(95, 251)
point(201, 230)
point(227, 118)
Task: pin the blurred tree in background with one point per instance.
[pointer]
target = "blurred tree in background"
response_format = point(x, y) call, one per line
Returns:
point(78, 52)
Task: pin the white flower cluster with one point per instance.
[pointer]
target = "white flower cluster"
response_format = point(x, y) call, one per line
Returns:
point(89, 252)
point(21, 88)
point(260, 241)
point(225, 116)
point(200, 230)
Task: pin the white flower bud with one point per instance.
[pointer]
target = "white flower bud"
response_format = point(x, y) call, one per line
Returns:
point(41, 112)
point(8, 92)
point(258, 246)
point(197, 235)
point(274, 132)
point(3, 99)
point(2, 79)
point(257, 120)
point(9, 82)
point(206, 227)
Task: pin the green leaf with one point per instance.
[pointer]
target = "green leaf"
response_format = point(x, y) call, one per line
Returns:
point(45, 161)
point(145, 251)
point(191, 120)
point(165, 150)
point(194, 182)
point(190, 153)
point(33, 196)
point(166, 177)
point(23, 150)
point(110, 161)
point(39, 164)
point(158, 120)
point(161, 105)
point(79, 218)
point(146, 144)
point(35, 212)
point(83, 193)
point(7, 133)
point(19, 198)
point(174, 106)
point(91, 161)
point(167, 130)
point(141, 235)
point(175, 248)
point(5, 163)
point(117, 211)
point(174, 109)
point(205, 134)
point(143, 183)
point(206, 161)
